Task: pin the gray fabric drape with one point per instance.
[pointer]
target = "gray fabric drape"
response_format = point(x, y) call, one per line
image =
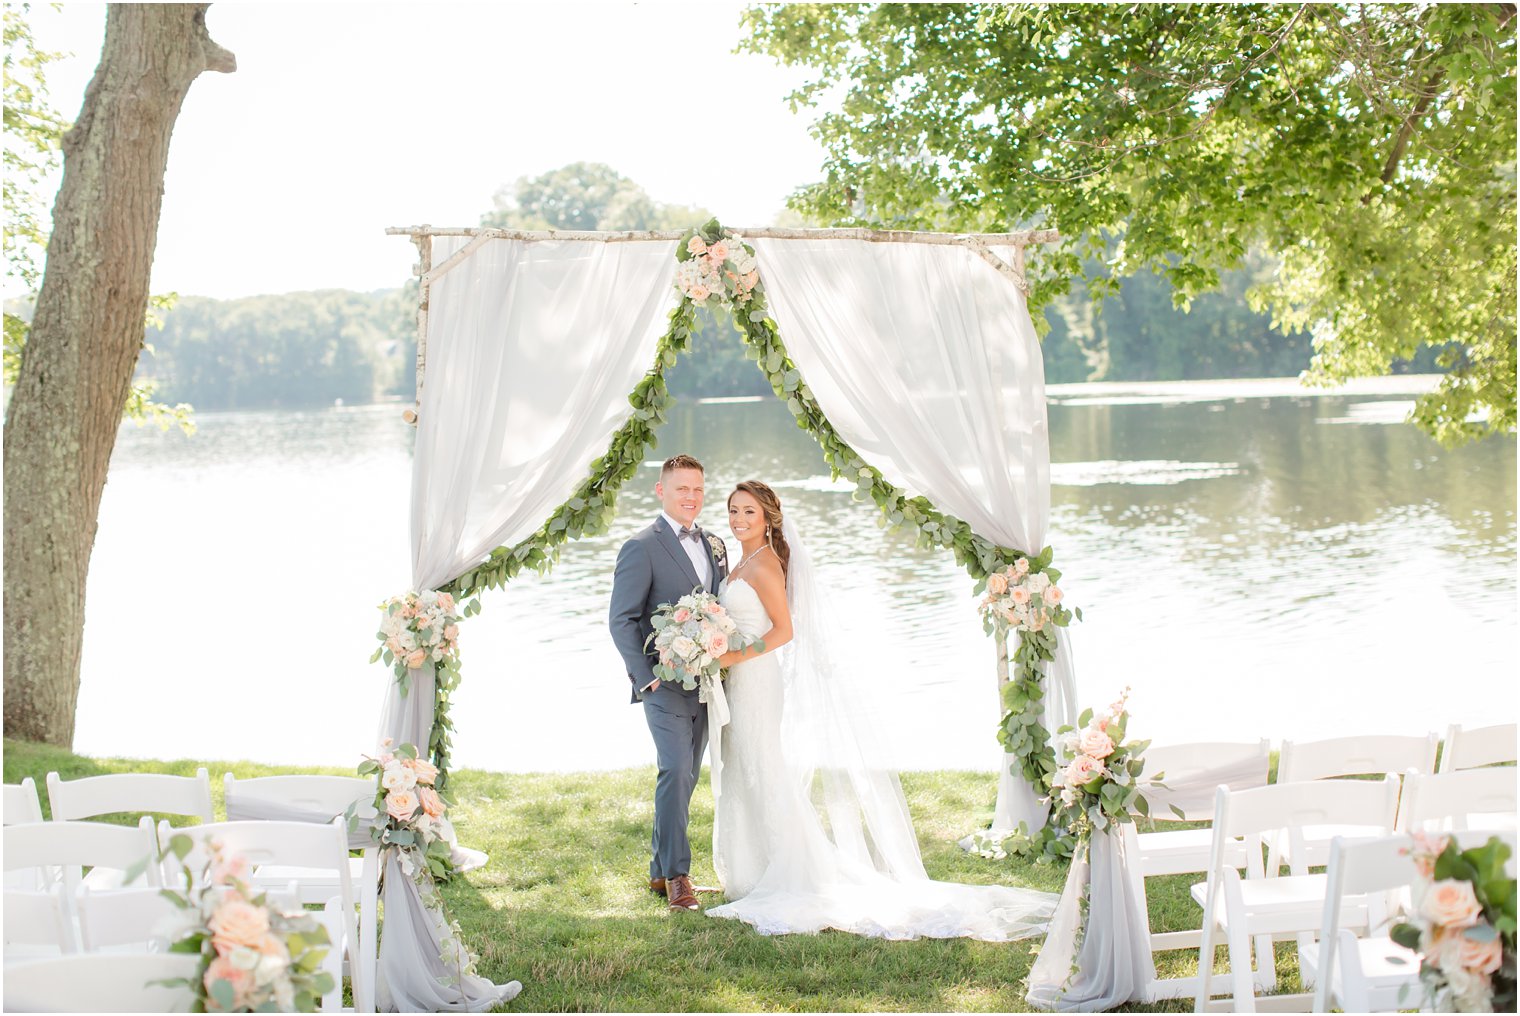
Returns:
point(421, 959)
point(1113, 962)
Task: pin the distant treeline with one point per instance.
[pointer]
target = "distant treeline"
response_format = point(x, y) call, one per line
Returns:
point(309, 349)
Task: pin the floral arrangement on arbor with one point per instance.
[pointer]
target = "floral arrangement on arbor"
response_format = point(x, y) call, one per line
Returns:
point(716, 272)
point(416, 629)
point(410, 813)
point(254, 957)
point(1099, 786)
point(1462, 925)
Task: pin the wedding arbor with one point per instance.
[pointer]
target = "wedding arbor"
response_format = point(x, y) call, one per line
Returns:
point(910, 357)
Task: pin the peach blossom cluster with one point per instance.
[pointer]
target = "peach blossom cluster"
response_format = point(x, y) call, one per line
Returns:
point(248, 944)
point(690, 635)
point(1023, 599)
point(724, 268)
point(1459, 950)
point(406, 798)
point(417, 629)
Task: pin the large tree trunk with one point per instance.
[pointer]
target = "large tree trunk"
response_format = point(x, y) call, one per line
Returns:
point(82, 350)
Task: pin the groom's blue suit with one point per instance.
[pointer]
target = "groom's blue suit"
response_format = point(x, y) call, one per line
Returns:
point(652, 568)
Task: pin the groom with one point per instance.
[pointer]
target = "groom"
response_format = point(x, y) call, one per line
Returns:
point(660, 565)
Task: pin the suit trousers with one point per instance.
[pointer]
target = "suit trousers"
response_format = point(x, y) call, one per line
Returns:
point(678, 723)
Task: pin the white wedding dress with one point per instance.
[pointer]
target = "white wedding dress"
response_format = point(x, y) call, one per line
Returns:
point(782, 869)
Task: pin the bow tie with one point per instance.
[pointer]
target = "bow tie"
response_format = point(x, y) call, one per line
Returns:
point(694, 535)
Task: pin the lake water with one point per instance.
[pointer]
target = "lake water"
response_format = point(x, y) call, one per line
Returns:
point(1251, 560)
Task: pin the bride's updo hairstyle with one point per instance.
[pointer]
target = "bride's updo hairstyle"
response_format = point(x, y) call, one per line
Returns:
point(770, 504)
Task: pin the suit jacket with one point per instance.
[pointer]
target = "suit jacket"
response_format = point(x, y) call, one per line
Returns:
point(653, 569)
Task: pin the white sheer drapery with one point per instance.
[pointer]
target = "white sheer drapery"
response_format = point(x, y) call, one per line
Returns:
point(924, 359)
point(533, 348)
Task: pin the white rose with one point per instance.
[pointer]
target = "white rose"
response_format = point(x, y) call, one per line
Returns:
point(284, 995)
point(1037, 582)
point(683, 647)
point(269, 968)
point(398, 777)
point(244, 958)
point(428, 598)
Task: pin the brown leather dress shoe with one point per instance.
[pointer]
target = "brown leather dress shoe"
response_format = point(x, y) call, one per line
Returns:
point(681, 894)
point(657, 885)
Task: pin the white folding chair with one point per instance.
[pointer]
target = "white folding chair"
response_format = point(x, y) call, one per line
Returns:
point(1256, 906)
point(288, 845)
point(1377, 755)
point(100, 983)
point(1190, 772)
point(153, 793)
point(21, 802)
point(21, 806)
point(1462, 799)
point(1485, 746)
point(310, 798)
point(75, 845)
point(37, 925)
point(125, 920)
point(1371, 974)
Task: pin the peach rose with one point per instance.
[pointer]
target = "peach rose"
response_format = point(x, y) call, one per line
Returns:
point(1053, 595)
point(713, 607)
point(1021, 566)
point(1427, 847)
point(1020, 595)
point(750, 279)
point(236, 922)
point(718, 251)
point(221, 969)
point(997, 583)
point(717, 644)
point(451, 633)
point(1450, 902)
point(432, 804)
point(417, 659)
point(1479, 957)
point(696, 245)
point(446, 601)
point(401, 804)
point(1097, 744)
point(394, 646)
point(681, 615)
point(425, 770)
point(1083, 770)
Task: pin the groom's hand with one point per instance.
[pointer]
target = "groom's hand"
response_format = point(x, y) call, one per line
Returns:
point(655, 686)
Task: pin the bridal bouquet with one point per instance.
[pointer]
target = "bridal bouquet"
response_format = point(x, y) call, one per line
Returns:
point(1024, 599)
point(409, 812)
point(690, 635)
point(1100, 784)
point(418, 628)
point(1463, 925)
point(254, 957)
point(715, 265)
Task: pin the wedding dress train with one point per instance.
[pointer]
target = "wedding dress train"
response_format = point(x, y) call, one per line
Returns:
point(784, 872)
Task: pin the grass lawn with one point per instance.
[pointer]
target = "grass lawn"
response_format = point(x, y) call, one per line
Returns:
point(564, 907)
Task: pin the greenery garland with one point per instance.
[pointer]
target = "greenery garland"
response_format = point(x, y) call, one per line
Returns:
point(591, 508)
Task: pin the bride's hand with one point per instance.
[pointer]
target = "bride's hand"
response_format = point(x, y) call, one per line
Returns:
point(728, 659)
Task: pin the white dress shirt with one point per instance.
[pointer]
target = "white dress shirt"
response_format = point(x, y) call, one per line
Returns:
point(695, 549)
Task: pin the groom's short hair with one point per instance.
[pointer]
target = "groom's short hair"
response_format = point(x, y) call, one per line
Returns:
point(680, 462)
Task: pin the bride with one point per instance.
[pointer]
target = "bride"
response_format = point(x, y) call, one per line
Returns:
point(800, 730)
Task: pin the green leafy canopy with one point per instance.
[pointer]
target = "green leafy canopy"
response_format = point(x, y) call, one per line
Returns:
point(1370, 149)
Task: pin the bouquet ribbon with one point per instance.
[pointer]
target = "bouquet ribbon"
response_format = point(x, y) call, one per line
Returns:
point(710, 691)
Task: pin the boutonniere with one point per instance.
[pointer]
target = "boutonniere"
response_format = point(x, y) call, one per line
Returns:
point(719, 548)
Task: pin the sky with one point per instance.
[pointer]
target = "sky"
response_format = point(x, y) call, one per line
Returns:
point(345, 118)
